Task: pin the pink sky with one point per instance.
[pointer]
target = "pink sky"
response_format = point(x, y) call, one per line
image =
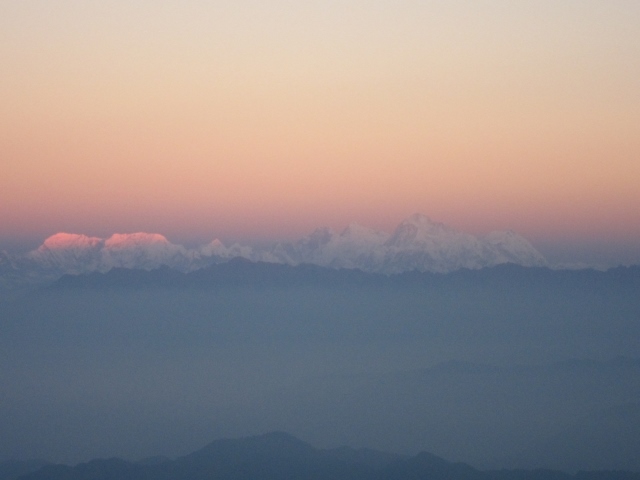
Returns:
point(236, 120)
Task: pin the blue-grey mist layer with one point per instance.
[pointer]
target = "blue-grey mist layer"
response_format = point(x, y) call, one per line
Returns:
point(500, 367)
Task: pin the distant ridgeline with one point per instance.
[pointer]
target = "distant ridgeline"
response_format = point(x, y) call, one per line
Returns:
point(243, 272)
point(277, 456)
point(417, 244)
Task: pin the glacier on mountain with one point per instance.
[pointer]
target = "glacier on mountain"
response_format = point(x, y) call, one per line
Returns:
point(67, 253)
point(418, 243)
point(143, 250)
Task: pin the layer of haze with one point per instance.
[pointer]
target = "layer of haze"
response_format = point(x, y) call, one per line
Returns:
point(251, 119)
point(534, 372)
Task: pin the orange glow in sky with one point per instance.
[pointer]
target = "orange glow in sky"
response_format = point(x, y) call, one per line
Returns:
point(251, 119)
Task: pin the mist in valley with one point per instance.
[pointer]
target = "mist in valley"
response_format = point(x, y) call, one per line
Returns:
point(503, 367)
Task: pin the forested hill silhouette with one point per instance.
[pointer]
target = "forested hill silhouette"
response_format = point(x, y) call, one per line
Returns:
point(278, 455)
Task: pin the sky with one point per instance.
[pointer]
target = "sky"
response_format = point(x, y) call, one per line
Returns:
point(253, 120)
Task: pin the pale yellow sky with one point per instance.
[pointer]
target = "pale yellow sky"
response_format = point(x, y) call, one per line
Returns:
point(266, 119)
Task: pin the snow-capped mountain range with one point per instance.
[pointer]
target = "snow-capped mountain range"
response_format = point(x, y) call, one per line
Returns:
point(418, 243)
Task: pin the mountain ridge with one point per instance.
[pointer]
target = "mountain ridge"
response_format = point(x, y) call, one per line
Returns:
point(242, 272)
point(418, 243)
point(278, 455)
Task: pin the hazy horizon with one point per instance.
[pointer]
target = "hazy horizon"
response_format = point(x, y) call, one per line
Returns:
point(487, 366)
point(242, 120)
point(598, 252)
point(258, 121)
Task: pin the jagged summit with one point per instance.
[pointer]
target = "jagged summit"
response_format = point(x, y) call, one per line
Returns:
point(419, 231)
point(419, 219)
point(359, 234)
point(320, 236)
point(423, 223)
point(356, 230)
point(417, 243)
point(513, 248)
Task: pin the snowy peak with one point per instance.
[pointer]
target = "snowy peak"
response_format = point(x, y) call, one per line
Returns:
point(422, 223)
point(417, 231)
point(359, 235)
point(133, 240)
point(62, 241)
point(143, 250)
point(74, 253)
point(514, 248)
point(505, 237)
point(349, 249)
point(419, 220)
point(215, 252)
point(215, 247)
point(67, 253)
point(418, 243)
point(318, 238)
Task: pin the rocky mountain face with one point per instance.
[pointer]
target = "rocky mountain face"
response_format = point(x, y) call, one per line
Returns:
point(418, 243)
